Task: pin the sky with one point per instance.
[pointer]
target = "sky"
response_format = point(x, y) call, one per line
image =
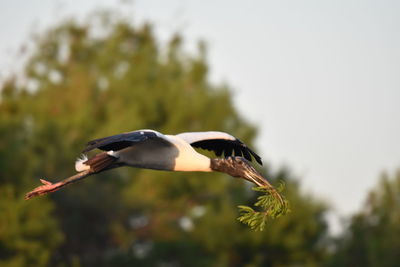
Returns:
point(320, 79)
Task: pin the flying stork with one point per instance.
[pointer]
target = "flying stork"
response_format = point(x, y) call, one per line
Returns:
point(150, 149)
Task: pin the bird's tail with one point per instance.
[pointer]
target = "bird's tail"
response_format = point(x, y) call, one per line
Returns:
point(99, 162)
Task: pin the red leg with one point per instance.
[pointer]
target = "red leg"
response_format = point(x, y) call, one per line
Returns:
point(47, 187)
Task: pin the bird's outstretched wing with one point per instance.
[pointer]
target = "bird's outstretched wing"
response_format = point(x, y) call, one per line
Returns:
point(120, 141)
point(220, 142)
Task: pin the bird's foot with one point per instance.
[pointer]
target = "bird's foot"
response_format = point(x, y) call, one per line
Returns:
point(47, 187)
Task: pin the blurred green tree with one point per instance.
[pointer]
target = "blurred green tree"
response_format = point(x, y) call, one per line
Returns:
point(86, 81)
point(29, 234)
point(372, 236)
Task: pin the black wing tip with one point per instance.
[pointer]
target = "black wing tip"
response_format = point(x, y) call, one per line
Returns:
point(255, 156)
point(246, 148)
point(227, 150)
point(258, 159)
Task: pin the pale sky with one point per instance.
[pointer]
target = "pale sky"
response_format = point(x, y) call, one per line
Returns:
point(321, 79)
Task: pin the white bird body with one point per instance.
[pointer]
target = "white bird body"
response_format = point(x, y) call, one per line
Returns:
point(188, 159)
point(169, 153)
point(150, 149)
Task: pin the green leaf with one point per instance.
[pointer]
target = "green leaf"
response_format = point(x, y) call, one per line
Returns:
point(272, 205)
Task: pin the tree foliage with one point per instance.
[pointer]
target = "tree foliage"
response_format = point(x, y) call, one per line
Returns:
point(372, 237)
point(272, 205)
point(85, 82)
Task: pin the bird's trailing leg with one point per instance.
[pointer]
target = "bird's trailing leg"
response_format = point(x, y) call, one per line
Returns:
point(49, 187)
point(96, 164)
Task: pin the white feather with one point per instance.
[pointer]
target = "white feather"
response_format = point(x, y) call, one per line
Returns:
point(192, 137)
point(79, 164)
point(112, 153)
point(188, 159)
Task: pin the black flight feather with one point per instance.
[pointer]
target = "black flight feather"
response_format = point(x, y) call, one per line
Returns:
point(227, 147)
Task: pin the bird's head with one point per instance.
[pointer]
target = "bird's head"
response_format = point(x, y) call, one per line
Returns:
point(239, 167)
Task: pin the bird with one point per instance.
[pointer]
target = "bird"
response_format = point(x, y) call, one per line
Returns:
point(150, 149)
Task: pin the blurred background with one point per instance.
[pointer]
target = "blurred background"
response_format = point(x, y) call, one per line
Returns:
point(313, 86)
